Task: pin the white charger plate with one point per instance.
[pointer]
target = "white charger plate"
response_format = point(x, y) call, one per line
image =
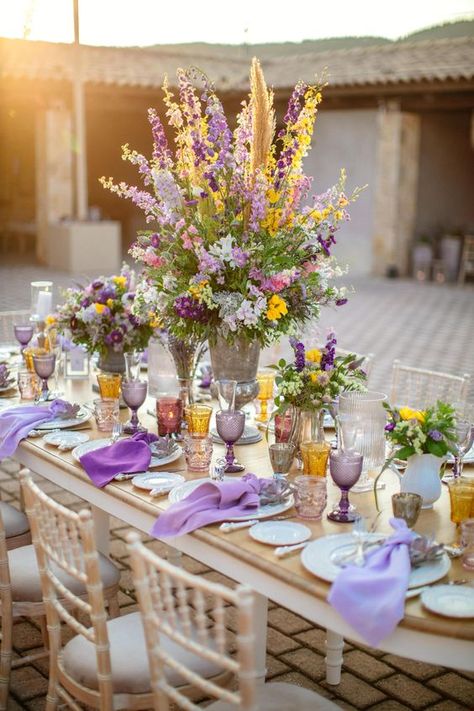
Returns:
point(180, 492)
point(157, 480)
point(91, 446)
point(449, 600)
point(318, 556)
point(69, 439)
point(60, 424)
point(279, 533)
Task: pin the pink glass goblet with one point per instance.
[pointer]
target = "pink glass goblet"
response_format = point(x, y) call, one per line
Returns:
point(230, 427)
point(345, 468)
point(134, 395)
point(23, 334)
point(44, 367)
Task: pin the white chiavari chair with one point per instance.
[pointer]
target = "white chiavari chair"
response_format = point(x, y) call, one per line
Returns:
point(171, 616)
point(420, 388)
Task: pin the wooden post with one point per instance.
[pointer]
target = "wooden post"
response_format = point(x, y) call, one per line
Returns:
point(81, 210)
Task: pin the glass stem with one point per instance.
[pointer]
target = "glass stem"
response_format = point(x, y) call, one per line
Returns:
point(344, 502)
point(457, 466)
point(229, 455)
point(134, 418)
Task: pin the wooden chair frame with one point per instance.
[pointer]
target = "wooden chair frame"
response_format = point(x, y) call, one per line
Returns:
point(424, 387)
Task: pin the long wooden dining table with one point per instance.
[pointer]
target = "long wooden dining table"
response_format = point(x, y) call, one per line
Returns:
point(421, 635)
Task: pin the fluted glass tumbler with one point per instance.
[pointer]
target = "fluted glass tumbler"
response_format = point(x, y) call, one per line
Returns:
point(230, 427)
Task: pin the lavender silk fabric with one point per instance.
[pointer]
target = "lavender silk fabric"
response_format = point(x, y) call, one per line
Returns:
point(16, 422)
point(127, 455)
point(210, 502)
point(372, 598)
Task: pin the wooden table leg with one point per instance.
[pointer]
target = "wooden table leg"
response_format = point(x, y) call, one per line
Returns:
point(261, 617)
point(102, 530)
point(334, 646)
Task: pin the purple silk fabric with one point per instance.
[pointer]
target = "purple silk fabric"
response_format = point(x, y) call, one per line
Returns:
point(16, 422)
point(125, 456)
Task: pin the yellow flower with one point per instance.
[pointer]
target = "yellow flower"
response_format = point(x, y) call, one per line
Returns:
point(273, 196)
point(120, 281)
point(313, 377)
point(100, 308)
point(110, 303)
point(50, 320)
point(406, 413)
point(155, 322)
point(196, 289)
point(276, 308)
point(314, 355)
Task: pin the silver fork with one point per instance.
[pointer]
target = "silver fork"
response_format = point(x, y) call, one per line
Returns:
point(116, 432)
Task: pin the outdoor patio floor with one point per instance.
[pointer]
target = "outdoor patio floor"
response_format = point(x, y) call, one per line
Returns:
point(422, 324)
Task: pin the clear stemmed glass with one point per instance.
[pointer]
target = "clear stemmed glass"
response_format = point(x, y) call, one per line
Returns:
point(230, 426)
point(281, 458)
point(464, 440)
point(226, 391)
point(44, 366)
point(345, 468)
point(132, 365)
point(23, 334)
point(134, 395)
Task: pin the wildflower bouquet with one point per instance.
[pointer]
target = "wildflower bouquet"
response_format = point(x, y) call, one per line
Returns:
point(316, 377)
point(430, 431)
point(237, 247)
point(99, 316)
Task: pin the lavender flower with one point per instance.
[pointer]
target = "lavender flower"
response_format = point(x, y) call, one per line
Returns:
point(300, 359)
point(435, 435)
point(329, 353)
point(155, 240)
point(390, 427)
point(114, 337)
point(187, 307)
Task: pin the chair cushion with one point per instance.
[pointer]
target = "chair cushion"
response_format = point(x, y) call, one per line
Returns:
point(128, 658)
point(14, 521)
point(25, 577)
point(283, 697)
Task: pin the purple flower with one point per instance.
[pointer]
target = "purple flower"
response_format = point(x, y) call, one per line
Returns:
point(329, 353)
point(155, 240)
point(390, 427)
point(341, 302)
point(239, 256)
point(435, 435)
point(97, 284)
point(115, 336)
point(298, 348)
point(187, 307)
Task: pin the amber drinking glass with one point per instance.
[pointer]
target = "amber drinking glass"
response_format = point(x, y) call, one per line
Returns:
point(461, 494)
point(109, 385)
point(197, 419)
point(266, 381)
point(315, 457)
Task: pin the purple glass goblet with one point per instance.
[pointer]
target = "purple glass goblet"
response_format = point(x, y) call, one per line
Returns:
point(44, 366)
point(134, 395)
point(345, 468)
point(230, 427)
point(23, 334)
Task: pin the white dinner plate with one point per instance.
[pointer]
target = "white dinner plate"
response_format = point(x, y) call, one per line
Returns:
point(67, 439)
point(162, 461)
point(63, 424)
point(165, 481)
point(449, 600)
point(180, 492)
point(280, 533)
point(318, 557)
point(94, 444)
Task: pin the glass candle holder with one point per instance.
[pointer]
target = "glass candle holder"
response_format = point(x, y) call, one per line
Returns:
point(41, 299)
point(407, 506)
point(134, 395)
point(282, 455)
point(461, 495)
point(109, 385)
point(169, 413)
point(44, 367)
point(107, 414)
point(23, 334)
point(284, 426)
point(345, 468)
point(29, 385)
point(310, 496)
point(197, 452)
point(315, 457)
point(266, 382)
point(467, 542)
point(198, 418)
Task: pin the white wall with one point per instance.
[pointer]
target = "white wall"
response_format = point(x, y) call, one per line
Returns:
point(347, 139)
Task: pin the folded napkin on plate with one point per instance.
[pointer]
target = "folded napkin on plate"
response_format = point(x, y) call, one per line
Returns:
point(127, 455)
point(210, 502)
point(16, 422)
point(372, 598)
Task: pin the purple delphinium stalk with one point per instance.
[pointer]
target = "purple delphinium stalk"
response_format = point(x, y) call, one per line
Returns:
point(435, 435)
point(299, 350)
point(161, 152)
point(187, 307)
point(329, 352)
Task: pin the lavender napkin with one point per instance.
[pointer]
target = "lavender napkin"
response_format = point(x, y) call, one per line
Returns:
point(210, 502)
point(127, 455)
point(372, 598)
point(16, 422)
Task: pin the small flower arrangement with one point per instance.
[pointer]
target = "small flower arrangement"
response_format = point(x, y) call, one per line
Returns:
point(99, 316)
point(316, 377)
point(237, 247)
point(430, 431)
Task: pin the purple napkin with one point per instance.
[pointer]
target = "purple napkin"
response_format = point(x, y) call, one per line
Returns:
point(125, 456)
point(16, 422)
point(372, 598)
point(210, 502)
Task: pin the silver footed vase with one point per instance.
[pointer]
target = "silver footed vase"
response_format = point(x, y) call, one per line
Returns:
point(237, 361)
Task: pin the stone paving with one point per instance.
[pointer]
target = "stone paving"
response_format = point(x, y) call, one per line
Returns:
point(422, 324)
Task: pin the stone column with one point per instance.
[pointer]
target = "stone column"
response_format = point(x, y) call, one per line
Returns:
point(54, 172)
point(398, 142)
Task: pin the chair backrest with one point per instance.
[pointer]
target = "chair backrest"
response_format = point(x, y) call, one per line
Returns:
point(420, 388)
point(64, 540)
point(7, 320)
point(176, 616)
point(6, 611)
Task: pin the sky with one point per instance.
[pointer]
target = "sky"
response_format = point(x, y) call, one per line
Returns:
point(148, 22)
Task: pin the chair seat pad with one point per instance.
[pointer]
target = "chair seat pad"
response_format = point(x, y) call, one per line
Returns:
point(283, 697)
point(25, 577)
point(128, 658)
point(14, 521)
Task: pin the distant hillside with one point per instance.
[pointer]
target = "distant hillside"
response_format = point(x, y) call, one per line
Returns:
point(463, 28)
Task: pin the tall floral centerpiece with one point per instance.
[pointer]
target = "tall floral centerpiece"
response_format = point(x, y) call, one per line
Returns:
point(99, 316)
point(238, 252)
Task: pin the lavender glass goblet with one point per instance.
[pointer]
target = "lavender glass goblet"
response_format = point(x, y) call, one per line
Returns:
point(134, 395)
point(44, 366)
point(23, 334)
point(230, 427)
point(345, 468)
